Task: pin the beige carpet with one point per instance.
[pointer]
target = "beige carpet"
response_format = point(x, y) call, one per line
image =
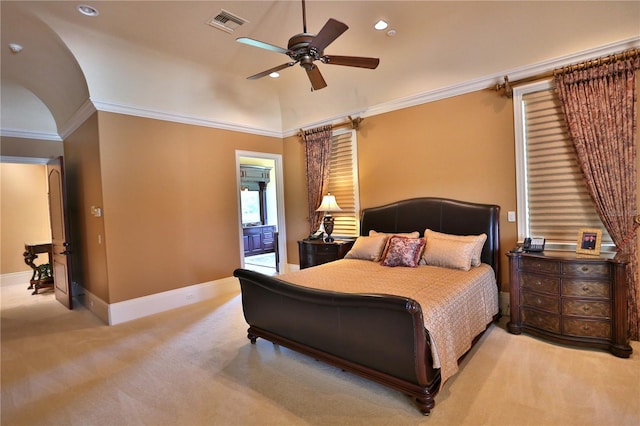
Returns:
point(195, 366)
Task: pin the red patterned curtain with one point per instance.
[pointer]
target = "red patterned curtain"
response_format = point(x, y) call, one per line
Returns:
point(598, 100)
point(318, 156)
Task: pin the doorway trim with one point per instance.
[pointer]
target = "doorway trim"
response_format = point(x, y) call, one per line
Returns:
point(282, 234)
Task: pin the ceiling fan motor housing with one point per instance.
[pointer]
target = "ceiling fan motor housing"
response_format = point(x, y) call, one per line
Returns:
point(299, 50)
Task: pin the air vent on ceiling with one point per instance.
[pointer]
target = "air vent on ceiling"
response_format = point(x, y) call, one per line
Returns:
point(226, 21)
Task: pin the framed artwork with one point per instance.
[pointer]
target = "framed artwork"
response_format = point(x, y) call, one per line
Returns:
point(589, 241)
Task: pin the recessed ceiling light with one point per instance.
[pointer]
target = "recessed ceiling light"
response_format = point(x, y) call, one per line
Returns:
point(391, 32)
point(87, 10)
point(274, 75)
point(15, 48)
point(380, 25)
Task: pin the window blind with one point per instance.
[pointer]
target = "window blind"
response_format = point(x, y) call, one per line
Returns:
point(558, 203)
point(343, 183)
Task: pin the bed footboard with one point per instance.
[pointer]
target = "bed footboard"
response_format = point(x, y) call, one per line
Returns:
point(381, 338)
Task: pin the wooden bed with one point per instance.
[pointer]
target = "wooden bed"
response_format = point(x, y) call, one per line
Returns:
point(380, 337)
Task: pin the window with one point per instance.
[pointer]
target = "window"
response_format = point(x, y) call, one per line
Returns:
point(343, 183)
point(250, 202)
point(553, 201)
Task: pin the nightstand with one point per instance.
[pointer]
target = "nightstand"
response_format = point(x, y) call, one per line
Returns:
point(317, 252)
point(569, 298)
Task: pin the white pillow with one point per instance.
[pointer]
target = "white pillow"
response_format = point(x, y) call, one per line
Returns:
point(414, 234)
point(368, 248)
point(479, 241)
point(448, 253)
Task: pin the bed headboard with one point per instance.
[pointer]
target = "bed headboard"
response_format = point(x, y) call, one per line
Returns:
point(441, 215)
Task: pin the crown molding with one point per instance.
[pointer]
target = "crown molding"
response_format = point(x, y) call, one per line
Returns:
point(80, 116)
point(180, 118)
point(23, 160)
point(29, 134)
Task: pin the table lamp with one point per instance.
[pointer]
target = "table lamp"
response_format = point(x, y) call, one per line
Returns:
point(327, 206)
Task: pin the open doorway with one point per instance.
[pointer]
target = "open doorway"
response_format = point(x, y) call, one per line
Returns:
point(261, 211)
point(25, 231)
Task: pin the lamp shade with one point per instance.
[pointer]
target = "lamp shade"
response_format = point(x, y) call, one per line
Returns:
point(329, 204)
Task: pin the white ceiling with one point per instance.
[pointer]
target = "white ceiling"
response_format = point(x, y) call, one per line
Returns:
point(161, 59)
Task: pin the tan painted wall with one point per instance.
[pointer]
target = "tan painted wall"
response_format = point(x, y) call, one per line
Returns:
point(84, 189)
point(460, 148)
point(170, 202)
point(295, 196)
point(24, 213)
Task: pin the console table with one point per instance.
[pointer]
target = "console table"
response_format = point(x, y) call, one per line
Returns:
point(42, 274)
point(570, 298)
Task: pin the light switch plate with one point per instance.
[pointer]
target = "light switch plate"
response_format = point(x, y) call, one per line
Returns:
point(511, 216)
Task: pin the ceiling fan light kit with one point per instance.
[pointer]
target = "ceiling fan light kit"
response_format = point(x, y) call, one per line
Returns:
point(306, 48)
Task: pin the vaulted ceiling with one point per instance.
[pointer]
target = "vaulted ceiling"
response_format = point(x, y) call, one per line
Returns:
point(161, 59)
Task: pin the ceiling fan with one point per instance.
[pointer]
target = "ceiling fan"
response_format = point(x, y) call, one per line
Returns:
point(306, 48)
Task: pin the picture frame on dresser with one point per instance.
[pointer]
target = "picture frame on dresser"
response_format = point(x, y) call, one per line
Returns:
point(589, 241)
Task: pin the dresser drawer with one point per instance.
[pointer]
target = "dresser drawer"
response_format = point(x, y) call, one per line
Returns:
point(586, 269)
point(540, 265)
point(540, 283)
point(543, 321)
point(585, 288)
point(539, 301)
point(586, 328)
point(586, 308)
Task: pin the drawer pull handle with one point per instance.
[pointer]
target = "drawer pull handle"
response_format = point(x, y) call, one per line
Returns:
point(538, 283)
point(585, 288)
point(585, 327)
point(585, 268)
point(586, 308)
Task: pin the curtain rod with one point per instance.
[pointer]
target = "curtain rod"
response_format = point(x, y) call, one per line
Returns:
point(353, 123)
point(507, 86)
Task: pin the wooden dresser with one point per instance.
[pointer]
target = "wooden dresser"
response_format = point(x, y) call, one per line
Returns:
point(569, 298)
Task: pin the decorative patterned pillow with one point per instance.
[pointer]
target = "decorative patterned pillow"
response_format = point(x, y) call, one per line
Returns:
point(477, 239)
point(367, 248)
point(403, 251)
point(414, 234)
point(448, 253)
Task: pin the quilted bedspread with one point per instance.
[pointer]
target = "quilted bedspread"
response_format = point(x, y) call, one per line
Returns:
point(456, 305)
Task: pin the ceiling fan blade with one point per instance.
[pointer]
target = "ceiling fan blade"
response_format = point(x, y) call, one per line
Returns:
point(269, 71)
point(351, 61)
point(262, 45)
point(331, 31)
point(316, 79)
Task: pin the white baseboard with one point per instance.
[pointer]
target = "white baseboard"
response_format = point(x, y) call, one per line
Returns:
point(155, 303)
point(16, 278)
